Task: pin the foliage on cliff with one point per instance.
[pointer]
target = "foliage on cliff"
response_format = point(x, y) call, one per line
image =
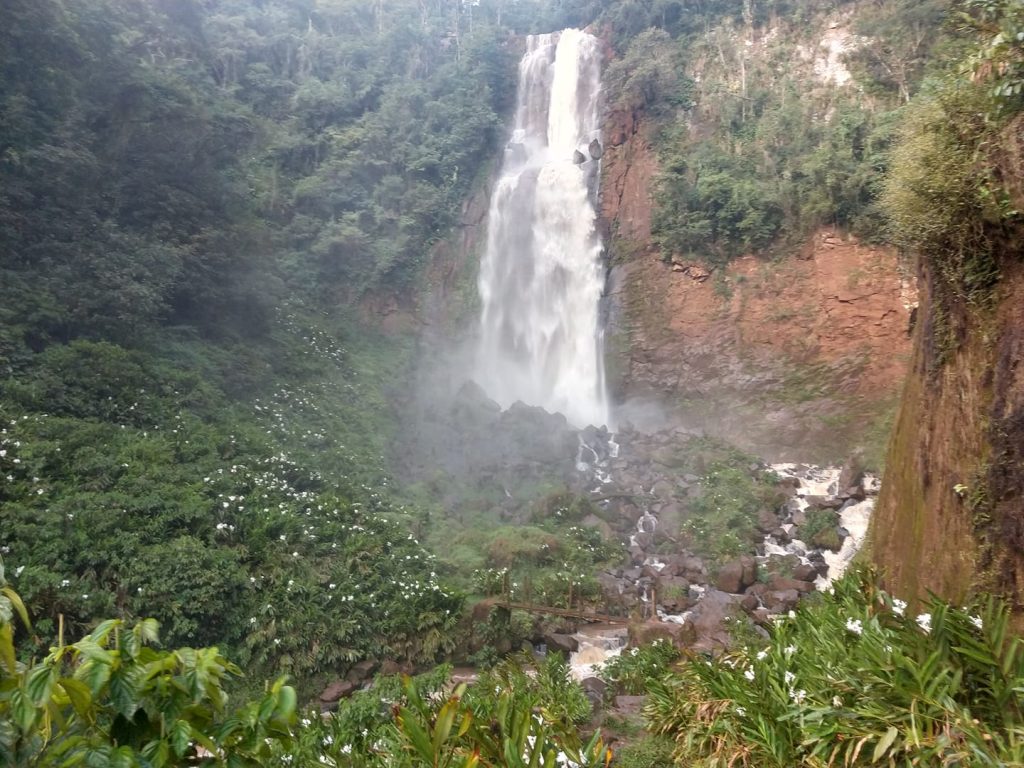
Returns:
point(954, 200)
point(771, 119)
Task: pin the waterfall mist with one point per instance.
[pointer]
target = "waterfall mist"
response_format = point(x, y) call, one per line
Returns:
point(541, 278)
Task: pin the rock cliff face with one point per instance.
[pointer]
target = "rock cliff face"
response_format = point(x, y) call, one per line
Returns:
point(798, 358)
point(950, 517)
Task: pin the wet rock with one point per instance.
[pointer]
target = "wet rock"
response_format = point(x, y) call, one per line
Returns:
point(730, 577)
point(805, 572)
point(781, 583)
point(594, 688)
point(645, 633)
point(762, 617)
point(824, 502)
point(749, 570)
point(789, 484)
point(710, 619)
point(757, 589)
point(749, 602)
point(851, 476)
point(767, 520)
point(644, 540)
point(361, 671)
point(781, 600)
point(781, 535)
point(737, 575)
point(339, 689)
point(578, 158)
point(595, 149)
point(563, 643)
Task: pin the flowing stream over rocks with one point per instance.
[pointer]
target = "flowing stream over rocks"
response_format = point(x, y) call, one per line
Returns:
point(541, 278)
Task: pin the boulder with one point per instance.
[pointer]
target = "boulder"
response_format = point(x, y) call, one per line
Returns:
point(805, 572)
point(780, 601)
point(781, 583)
point(647, 632)
point(730, 577)
point(767, 521)
point(851, 476)
point(749, 602)
point(595, 149)
point(389, 668)
point(578, 158)
point(749, 570)
point(339, 689)
point(824, 502)
point(594, 688)
point(361, 671)
point(757, 589)
point(737, 575)
point(711, 617)
point(564, 643)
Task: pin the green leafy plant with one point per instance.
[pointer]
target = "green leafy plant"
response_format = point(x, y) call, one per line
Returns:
point(854, 677)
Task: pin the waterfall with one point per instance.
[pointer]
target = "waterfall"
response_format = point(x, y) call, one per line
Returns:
point(541, 278)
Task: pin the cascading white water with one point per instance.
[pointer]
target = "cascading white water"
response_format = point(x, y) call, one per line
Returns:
point(541, 278)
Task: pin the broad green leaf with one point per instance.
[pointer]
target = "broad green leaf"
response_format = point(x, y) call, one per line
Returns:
point(124, 693)
point(180, 735)
point(23, 712)
point(78, 695)
point(40, 682)
point(91, 650)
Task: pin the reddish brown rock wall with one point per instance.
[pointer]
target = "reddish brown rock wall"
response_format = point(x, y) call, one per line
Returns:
point(800, 357)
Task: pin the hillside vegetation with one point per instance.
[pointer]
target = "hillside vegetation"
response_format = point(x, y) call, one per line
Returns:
point(194, 197)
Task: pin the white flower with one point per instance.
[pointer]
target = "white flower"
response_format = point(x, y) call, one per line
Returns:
point(976, 621)
point(792, 614)
point(799, 696)
point(924, 620)
point(66, 583)
point(741, 711)
point(790, 677)
point(18, 570)
point(762, 655)
point(855, 626)
point(898, 606)
point(634, 651)
point(837, 702)
point(749, 674)
point(789, 650)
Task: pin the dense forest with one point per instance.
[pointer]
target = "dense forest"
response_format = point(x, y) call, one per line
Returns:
point(198, 200)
